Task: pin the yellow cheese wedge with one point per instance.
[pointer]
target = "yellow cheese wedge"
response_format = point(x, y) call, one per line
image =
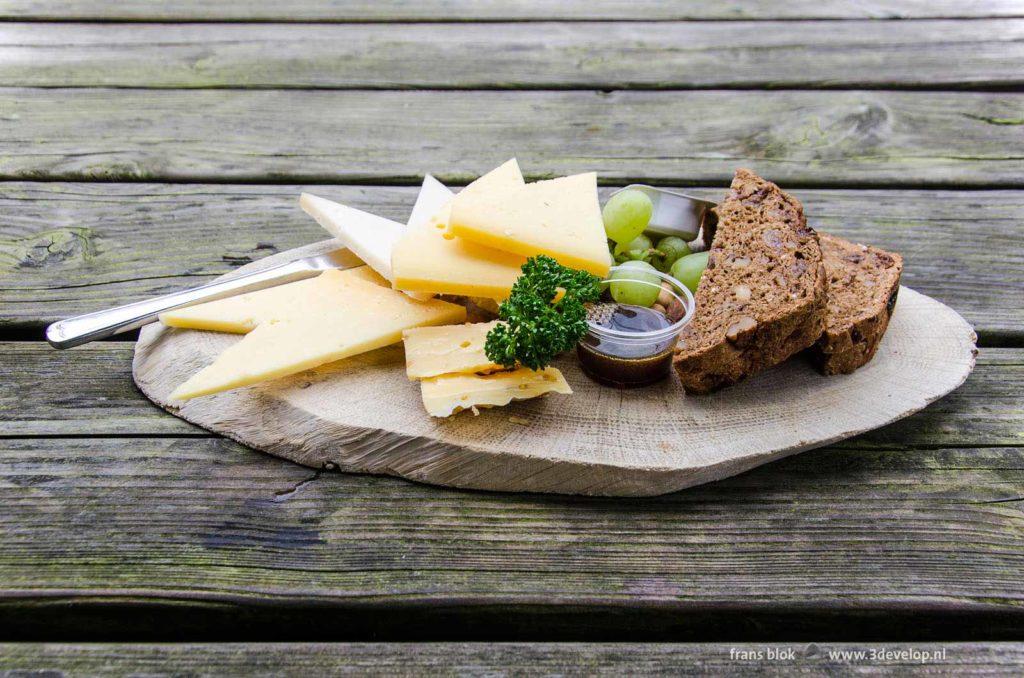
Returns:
point(241, 314)
point(452, 393)
point(433, 351)
point(559, 217)
point(345, 316)
point(429, 259)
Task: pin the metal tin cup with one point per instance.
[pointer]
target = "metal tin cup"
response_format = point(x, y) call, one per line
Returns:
point(628, 346)
point(677, 213)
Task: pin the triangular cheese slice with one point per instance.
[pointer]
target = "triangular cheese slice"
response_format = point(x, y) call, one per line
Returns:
point(429, 259)
point(433, 196)
point(370, 237)
point(558, 217)
point(241, 314)
point(433, 351)
point(345, 316)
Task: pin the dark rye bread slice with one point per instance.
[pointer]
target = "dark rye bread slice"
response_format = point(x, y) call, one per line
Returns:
point(762, 297)
point(863, 283)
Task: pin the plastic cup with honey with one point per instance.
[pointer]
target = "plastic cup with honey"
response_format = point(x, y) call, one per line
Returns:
point(634, 327)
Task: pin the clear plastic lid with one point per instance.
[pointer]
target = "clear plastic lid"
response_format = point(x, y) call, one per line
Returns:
point(678, 312)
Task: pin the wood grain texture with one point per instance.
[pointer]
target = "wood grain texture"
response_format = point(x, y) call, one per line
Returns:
point(89, 391)
point(506, 659)
point(363, 415)
point(489, 10)
point(908, 139)
point(601, 55)
point(67, 249)
point(174, 538)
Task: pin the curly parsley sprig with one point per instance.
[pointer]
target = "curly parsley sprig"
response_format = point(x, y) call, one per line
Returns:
point(537, 328)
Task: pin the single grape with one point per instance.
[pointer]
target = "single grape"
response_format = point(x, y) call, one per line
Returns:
point(639, 248)
point(638, 286)
point(672, 248)
point(626, 215)
point(688, 269)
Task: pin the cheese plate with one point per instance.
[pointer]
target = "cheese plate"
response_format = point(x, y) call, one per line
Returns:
point(363, 415)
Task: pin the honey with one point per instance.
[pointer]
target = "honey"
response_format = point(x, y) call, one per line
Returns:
point(621, 362)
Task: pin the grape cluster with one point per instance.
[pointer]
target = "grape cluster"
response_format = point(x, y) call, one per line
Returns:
point(626, 216)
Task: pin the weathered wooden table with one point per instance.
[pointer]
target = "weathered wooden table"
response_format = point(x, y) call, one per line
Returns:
point(149, 146)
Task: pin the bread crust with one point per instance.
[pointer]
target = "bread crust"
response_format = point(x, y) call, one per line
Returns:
point(864, 282)
point(763, 296)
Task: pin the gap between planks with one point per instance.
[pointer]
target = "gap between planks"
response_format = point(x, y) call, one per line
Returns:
point(388, 11)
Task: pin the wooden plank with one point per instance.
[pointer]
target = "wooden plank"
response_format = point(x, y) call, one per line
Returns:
point(89, 391)
point(198, 537)
point(533, 659)
point(795, 137)
point(489, 10)
point(71, 248)
point(834, 54)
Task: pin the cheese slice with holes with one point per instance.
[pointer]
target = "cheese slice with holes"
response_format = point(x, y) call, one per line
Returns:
point(558, 217)
point(433, 351)
point(433, 196)
point(427, 258)
point(451, 393)
point(241, 314)
point(344, 316)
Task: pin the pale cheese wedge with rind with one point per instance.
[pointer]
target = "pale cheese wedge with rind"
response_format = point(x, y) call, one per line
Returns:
point(433, 196)
point(368, 236)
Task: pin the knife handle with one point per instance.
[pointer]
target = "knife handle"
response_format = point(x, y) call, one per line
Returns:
point(101, 324)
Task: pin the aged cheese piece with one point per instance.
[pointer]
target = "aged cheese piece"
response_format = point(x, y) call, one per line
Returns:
point(345, 316)
point(433, 196)
point(558, 217)
point(447, 394)
point(370, 237)
point(242, 313)
point(429, 259)
point(432, 351)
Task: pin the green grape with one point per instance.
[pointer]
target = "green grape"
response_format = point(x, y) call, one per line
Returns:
point(672, 248)
point(688, 269)
point(639, 248)
point(634, 288)
point(626, 215)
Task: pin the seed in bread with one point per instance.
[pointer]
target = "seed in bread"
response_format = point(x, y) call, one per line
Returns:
point(863, 283)
point(762, 297)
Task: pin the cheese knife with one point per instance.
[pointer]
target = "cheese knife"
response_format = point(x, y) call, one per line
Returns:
point(101, 324)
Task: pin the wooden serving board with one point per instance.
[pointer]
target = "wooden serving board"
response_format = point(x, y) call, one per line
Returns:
point(363, 415)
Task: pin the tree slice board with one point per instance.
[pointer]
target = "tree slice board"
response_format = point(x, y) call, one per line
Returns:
point(362, 415)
